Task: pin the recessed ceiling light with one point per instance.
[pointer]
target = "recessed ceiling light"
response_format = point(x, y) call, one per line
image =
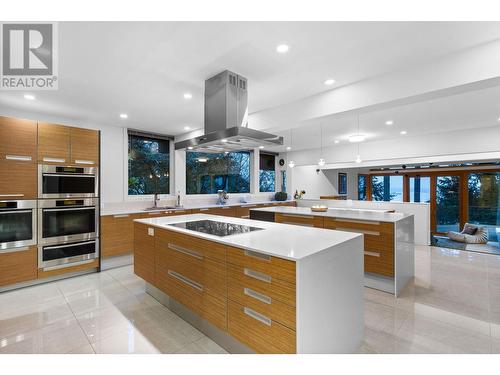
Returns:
point(282, 48)
point(123, 115)
point(329, 82)
point(358, 158)
point(389, 122)
point(187, 128)
point(291, 164)
point(288, 148)
point(223, 140)
point(261, 147)
point(336, 141)
point(499, 119)
point(202, 160)
point(188, 96)
point(357, 138)
point(402, 132)
point(190, 147)
point(29, 97)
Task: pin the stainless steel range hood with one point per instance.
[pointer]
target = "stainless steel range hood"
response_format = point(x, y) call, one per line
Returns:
point(226, 119)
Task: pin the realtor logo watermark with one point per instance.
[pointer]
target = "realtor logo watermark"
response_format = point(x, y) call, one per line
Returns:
point(29, 56)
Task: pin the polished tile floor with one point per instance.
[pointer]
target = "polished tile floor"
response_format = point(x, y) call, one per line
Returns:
point(453, 307)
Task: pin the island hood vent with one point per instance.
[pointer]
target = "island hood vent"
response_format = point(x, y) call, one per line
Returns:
point(226, 119)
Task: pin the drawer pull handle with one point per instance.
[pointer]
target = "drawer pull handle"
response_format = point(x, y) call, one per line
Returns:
point(370, 232)
point(185, 280)
point(257, 275)
point(204, 209)
point(299, 217)
point(154, 213)
point(357, 221)
point(54, 160)
point(250, 205)
point(18, 157)
point(11, 195)
point(257, 316)
point(88, 162)
point(254, 254)
point(372, 254)
point(183, 250)
point(120, 216)
point(296, 223)
point(258, 296)
point(246, 217)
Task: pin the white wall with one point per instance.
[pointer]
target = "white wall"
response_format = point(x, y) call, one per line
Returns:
point(323, 182)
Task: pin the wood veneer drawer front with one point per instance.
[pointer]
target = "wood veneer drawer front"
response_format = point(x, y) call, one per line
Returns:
point(262, 303)
point(117, 234)
point(54, 142)
point(84, 146)
point(144, 253)
point(258, 331)
point(60, 271)
point(18, 180)
point(18, 138)
point(208, 249)
point(18, 266)
point(375, 227)
point(208, 273)
point(309, 221)
point(276, 268)
point(265, 284)
point(178, 212)
point(374, 264)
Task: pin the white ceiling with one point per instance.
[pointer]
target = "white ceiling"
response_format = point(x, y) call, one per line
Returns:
point(473, 109)
point(143, 69)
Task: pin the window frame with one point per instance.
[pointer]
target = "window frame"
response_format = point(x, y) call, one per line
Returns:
point(274, 169)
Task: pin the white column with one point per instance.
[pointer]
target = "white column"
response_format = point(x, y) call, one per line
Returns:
point(180, 172)
point(254, 171)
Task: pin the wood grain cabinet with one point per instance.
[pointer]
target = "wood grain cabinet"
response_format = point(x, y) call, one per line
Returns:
point(18, 179)
point(18, 266)
point(307, 221)
point(84, 146)
point(144, 252)
point(54, 143)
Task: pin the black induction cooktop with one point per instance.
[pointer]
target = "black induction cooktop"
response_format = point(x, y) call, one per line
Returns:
point(216, 228)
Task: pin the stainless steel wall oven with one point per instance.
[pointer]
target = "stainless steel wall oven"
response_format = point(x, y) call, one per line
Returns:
point(17, 224)
point(55, 181)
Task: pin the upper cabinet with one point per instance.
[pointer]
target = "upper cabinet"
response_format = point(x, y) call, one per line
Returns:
point(67, 145)
point(18, 139)
point(53, 143)
point(84, 146)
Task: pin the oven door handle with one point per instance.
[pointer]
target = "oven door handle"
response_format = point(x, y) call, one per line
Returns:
point(70, 245)
point(69, 209)
point(68, 175)
point(15, 212)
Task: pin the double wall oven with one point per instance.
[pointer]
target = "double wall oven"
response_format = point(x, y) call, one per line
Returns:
point(17, 225)
point(68, 216)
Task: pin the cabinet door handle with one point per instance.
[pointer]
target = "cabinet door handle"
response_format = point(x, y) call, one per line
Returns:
point(185, 280)
point(257, 275)
point(18, 157)
point(256, 255)
point(88, 162)
point(120, 216)
point(257, 316)
point(363, 231)
point(297, 223)
point(183, 250)
point(298, 216)
point(11, 195)
point(372, 254)
point(258, 296)
point(54, 160)
point(203, 209)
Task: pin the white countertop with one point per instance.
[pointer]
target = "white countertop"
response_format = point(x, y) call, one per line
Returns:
point(281, 240)
point(133, 208)
point(342, 213)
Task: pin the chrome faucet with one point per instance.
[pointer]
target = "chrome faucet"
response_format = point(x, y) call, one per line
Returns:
point(156, 200)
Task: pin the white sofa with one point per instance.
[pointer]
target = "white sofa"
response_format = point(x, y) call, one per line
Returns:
point(479, 236)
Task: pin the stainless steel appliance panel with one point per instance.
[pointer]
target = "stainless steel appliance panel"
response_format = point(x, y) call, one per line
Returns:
point(64, 255)
point(17, 224)
point(56, 181)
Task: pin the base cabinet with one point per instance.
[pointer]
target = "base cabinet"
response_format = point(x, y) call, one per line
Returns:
point(18, 266)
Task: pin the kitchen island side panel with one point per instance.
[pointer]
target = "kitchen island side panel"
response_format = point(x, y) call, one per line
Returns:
point(330, 308)
point(404, 254)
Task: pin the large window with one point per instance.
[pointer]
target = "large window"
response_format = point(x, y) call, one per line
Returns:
point(148, 164)
point(420, 189)
point(484, 201)
point(447, 203)
point(267, 173)
point(206, 173)
point(362, 187)
point(342, 183)
point(387, 188)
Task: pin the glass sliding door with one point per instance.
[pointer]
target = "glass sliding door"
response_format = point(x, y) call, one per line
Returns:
point(447, 203)
point(387, 188)
point(420, 189)
point(484, 201)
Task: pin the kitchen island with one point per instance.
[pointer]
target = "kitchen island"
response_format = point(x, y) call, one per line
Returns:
point(389, 254)
point(256, 286)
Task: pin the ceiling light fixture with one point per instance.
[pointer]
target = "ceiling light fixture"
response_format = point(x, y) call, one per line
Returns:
point(403, 132)
point(123, 115)
point(389, 122)
point(321, 161)
point(358, 159)
point(291, 163)
point(358, 156)
point(190, 147)
point(187, 128)
point(329, 82)
point(288, 148)
point(261, 147)
point(29, 97)
point(188, 96)
point(357, 138)
point(202, 160)
point(223, 140)
point(282, 48)
point(336, 141)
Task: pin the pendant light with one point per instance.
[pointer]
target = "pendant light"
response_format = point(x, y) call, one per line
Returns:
point(291, 163)
point(321, 161)
point(358, 157)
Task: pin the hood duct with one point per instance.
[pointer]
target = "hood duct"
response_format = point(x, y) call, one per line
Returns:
point(226, 119)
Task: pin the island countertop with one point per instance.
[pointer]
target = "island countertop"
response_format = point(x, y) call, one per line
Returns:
point(279, 240)
point(342, 213)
